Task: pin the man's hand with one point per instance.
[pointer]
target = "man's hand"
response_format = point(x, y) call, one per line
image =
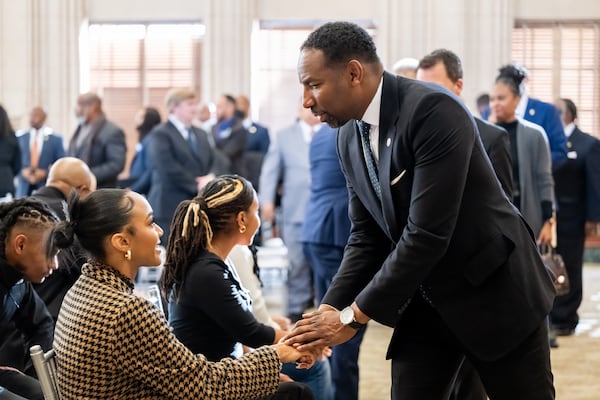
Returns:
point(545, 236)
point(319, 329)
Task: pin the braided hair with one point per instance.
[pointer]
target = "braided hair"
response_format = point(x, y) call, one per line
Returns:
point(195, 222)
point(29, 213)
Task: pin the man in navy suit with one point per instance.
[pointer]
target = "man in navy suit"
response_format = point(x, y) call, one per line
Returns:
point(98, 142)
point(180, 156)
point(40, 148)
point(577, 187)
point(324, 234)
point(257, 143)
point(436, 249)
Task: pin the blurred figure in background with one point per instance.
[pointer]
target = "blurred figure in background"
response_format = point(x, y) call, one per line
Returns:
point(97, 141)
point(577, 187)
point(140, 174)
point(406, 67)
point(40, 148)
point(10, 156)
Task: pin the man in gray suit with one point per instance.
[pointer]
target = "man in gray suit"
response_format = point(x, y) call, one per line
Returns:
point(287, 160)
point(97, 141)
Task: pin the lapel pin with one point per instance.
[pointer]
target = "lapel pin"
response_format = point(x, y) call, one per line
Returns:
point(532, 112)
point(388, 142)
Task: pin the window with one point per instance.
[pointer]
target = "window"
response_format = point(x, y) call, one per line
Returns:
point(275, 50)
point(562, 60)
point(134, 65)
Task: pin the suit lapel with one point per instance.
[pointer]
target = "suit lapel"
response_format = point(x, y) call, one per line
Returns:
point(182, 146)
point(388, 118)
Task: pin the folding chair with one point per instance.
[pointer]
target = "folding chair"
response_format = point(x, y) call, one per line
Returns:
point(45, 367)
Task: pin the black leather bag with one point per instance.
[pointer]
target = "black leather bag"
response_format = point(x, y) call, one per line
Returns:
point(556, 268)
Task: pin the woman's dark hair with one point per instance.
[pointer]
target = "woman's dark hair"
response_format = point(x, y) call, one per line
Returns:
point(151, 119)
point(513, 76)
point(5, 126)
point(195, 222)
point(27, 212)
point(103, 213)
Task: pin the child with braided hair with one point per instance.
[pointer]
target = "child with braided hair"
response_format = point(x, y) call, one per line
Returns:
point(27, 255)
point(209, 309)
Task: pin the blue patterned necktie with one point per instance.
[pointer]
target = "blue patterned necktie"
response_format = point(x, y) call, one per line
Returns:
point(365, 130)
point(193, 142)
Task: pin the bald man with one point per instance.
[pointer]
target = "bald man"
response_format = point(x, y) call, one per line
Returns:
point(40, 146)
point(68, 174)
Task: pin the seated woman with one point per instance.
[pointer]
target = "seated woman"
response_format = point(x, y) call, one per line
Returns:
point(110, 343)
point(209, 310)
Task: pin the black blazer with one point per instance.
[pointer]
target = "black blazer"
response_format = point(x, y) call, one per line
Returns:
point(577, 184)
point(497, 146)
point(103, 150)
point(444, 226)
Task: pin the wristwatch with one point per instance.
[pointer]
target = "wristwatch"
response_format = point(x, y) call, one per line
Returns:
point(347, 318)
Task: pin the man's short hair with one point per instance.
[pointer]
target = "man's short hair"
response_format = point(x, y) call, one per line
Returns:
point(450, 60)
point(176, 95)
point(571, 108)
point(341, 42)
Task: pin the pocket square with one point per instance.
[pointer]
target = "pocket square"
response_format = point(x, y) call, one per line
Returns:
point(397, 179)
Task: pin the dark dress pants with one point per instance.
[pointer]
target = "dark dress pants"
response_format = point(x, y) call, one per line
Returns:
point(564, 312)
point(290, 391)
point(426, 357)
point(16, 383)
point(325, 261)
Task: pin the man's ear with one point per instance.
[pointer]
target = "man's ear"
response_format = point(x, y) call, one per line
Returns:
point(120, 242)
point(356, 72)
point(459, 85)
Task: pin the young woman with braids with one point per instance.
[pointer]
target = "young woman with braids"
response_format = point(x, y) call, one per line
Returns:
point(27, 255)
point(111, 343)
point(209, 310)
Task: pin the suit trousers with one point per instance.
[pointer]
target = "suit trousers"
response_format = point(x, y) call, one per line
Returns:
point(325, 261)
point(16, 384)
point(290, 391)
point(299, 280)
point(427, 356)
point(564, 312)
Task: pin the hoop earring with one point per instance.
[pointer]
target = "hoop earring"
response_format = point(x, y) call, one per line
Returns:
point(242, 228)
point(128, 255)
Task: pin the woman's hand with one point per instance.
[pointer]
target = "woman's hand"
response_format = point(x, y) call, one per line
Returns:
point(303, 359)
point(545, 236)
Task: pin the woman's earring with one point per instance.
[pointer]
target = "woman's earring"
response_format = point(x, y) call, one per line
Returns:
point(242, 228)
point(128, 255)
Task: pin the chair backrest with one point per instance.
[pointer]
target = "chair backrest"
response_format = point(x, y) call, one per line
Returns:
point(45, 368)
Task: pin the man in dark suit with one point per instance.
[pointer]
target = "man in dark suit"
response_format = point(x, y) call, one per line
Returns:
point(97, 141)
point(229, 134)
point(257, 143)
point(180, 156)
point(577, 187)
point(436, 250)
point(445, 68)
point(40, 147)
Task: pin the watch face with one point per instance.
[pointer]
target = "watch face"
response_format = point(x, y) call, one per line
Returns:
point(347, 315)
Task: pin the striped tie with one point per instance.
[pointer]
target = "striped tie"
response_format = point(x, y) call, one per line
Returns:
point(365, 129)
